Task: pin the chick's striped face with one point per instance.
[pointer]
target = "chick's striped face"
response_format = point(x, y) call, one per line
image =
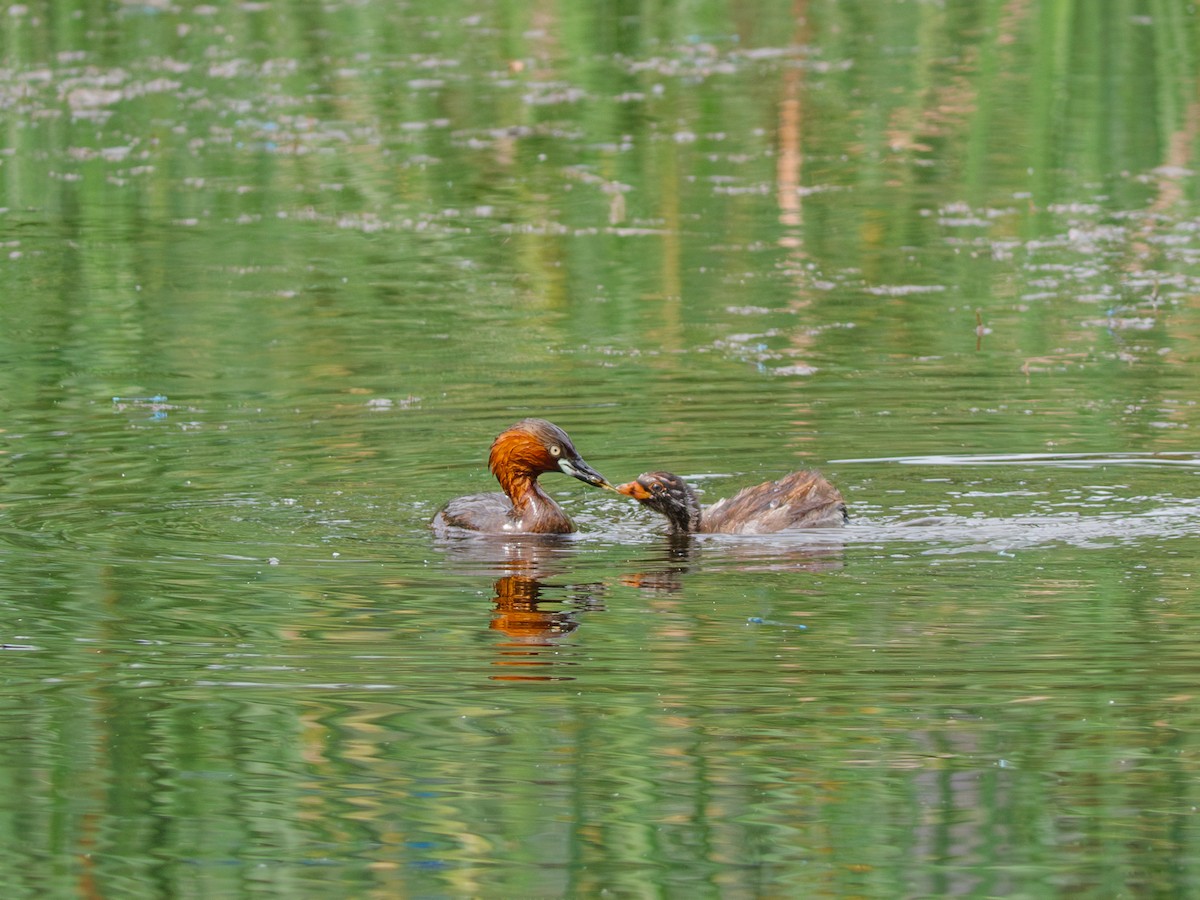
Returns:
point(669, 495)
point(663, 491)
point(658, 490)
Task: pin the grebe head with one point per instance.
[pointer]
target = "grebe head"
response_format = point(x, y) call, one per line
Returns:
point(535, 446)
point(668, 494)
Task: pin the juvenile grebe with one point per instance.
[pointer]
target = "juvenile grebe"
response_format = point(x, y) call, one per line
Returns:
point(799, 500)
point(519, 455)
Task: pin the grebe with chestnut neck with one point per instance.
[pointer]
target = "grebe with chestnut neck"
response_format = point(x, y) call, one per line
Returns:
point(799, 500)
point(519, 454)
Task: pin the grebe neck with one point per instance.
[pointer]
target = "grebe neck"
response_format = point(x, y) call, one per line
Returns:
point(522, 489)
point(532, 508)
point(685, 514)
point(684, 519)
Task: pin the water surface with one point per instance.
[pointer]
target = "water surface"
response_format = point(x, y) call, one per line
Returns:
point(275, 277)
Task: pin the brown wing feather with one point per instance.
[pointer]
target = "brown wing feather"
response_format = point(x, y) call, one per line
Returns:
point(799, 500)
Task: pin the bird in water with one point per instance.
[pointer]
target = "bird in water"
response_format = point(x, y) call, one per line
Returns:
point(799, 500)
point(519, 454)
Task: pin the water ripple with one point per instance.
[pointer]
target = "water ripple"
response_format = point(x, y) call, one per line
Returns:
point(1068, 460)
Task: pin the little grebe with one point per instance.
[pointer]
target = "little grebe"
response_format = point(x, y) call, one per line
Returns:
point(799, 500)
point(519, 455)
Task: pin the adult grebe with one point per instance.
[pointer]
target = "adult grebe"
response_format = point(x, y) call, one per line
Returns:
point(799, 500)
point(519, 455)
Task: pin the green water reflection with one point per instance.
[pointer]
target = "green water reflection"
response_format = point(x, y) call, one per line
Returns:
point(277, 273)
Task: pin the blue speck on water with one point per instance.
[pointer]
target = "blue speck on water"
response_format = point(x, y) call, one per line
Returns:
point(758, 620)
point(157, 398)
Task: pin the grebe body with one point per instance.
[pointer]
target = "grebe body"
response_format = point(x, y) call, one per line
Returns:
point(799, 500)
point(519, 454)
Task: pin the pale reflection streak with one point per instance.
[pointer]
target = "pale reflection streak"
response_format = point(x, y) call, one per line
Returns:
point(1069, 460)
point(791, 157)
point(789, 190)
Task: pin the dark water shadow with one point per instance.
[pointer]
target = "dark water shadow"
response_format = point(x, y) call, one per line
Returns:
point(494, 556)
point(677, 555)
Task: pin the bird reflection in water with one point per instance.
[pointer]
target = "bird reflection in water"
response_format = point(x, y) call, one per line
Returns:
point(664, 574)
point(533, 609)
point(678, 554)
point(536, 607)
point(534, 633)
